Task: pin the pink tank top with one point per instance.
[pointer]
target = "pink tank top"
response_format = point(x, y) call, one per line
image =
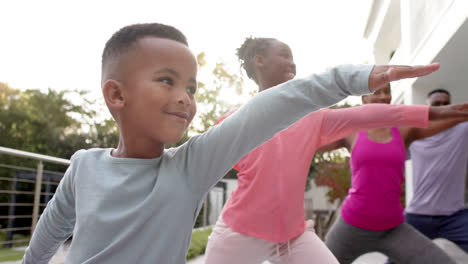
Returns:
point(373, 201)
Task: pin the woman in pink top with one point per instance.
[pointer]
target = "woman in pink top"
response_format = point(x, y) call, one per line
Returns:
point(372, 215)
point(264, 218)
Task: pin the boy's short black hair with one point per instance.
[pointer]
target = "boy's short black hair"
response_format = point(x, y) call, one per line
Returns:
point(122, 40)
point(438, 91)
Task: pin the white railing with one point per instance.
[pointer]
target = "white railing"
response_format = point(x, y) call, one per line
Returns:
point(37, 182)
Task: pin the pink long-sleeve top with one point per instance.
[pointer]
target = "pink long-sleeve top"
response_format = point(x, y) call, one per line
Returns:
point(268, 202)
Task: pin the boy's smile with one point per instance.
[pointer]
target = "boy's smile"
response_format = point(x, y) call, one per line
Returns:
point(180, 116)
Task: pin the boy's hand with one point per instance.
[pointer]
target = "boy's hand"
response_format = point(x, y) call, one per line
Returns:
point(382, 75)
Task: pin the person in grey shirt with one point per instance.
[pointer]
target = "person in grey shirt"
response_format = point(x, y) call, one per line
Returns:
point(138, 203)
point(440, 164)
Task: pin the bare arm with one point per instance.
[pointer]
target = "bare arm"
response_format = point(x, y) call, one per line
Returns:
point(441, 117)
point(341, 143)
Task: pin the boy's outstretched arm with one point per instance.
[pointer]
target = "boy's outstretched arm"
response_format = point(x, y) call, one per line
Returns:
point(213, 153)
point(55, 224)
point(382, 75)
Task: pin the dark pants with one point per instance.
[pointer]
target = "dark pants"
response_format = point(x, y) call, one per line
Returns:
point(451, 227)
point(402, 243)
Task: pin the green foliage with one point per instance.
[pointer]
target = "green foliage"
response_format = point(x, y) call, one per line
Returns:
point(198, 243)
point(23, 240)
point(332, 169)
point(50, 124)
point(47, 123)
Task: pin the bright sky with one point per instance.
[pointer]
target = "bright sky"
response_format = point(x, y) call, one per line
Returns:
point(58, 44)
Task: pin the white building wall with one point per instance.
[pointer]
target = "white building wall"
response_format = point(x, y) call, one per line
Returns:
point(426, 28)
point(384, 29)
point(430, 31)
point(423, 16)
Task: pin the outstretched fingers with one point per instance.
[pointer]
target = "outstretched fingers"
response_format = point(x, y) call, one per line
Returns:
point(382, 75)
point(459, 111)
point(399, 72)
point(462, 107)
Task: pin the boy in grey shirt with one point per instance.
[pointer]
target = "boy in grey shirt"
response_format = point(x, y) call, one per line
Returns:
point(138, 203)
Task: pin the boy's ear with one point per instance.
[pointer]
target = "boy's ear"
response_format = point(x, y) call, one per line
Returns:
point(113, 94)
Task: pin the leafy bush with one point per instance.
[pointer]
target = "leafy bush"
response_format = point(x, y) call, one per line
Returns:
point(20, 237)
point(198, 243)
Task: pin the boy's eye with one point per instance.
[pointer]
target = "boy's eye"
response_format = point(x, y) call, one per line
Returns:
point(192, 90)
point(166, 80)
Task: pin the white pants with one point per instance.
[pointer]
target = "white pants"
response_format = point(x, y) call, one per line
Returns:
point(227, 246)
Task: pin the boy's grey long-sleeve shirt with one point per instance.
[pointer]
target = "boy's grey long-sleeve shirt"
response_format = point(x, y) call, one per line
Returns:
point(123, 210)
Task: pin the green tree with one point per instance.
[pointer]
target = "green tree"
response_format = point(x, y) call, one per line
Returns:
point(50, 123)
point(210, 104)
point(47, 123)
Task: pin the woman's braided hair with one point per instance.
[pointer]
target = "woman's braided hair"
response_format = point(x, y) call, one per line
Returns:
point(247, 52)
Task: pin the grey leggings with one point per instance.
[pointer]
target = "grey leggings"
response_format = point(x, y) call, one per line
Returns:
point(403, 244)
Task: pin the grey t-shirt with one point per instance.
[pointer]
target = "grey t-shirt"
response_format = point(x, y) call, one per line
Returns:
point(123, 210)
point(439, 172)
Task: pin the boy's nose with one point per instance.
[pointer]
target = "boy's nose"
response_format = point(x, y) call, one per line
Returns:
point(183, 97)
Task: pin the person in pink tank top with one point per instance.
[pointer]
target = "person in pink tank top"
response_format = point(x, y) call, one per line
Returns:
point(264, 217)
point(372, 215)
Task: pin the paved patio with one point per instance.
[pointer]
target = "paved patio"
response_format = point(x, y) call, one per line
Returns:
point(59, 258)
point(371, 258)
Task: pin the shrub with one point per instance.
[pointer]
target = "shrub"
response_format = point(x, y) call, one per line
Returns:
point(198, 243)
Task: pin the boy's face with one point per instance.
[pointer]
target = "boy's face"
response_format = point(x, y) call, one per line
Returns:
point(159, 84)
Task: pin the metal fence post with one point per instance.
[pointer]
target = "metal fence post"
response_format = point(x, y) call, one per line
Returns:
point(37, 196)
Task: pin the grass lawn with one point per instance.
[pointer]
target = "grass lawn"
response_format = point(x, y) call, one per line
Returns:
point(10, 255)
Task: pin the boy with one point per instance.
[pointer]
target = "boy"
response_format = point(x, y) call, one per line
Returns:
point(138, 203)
